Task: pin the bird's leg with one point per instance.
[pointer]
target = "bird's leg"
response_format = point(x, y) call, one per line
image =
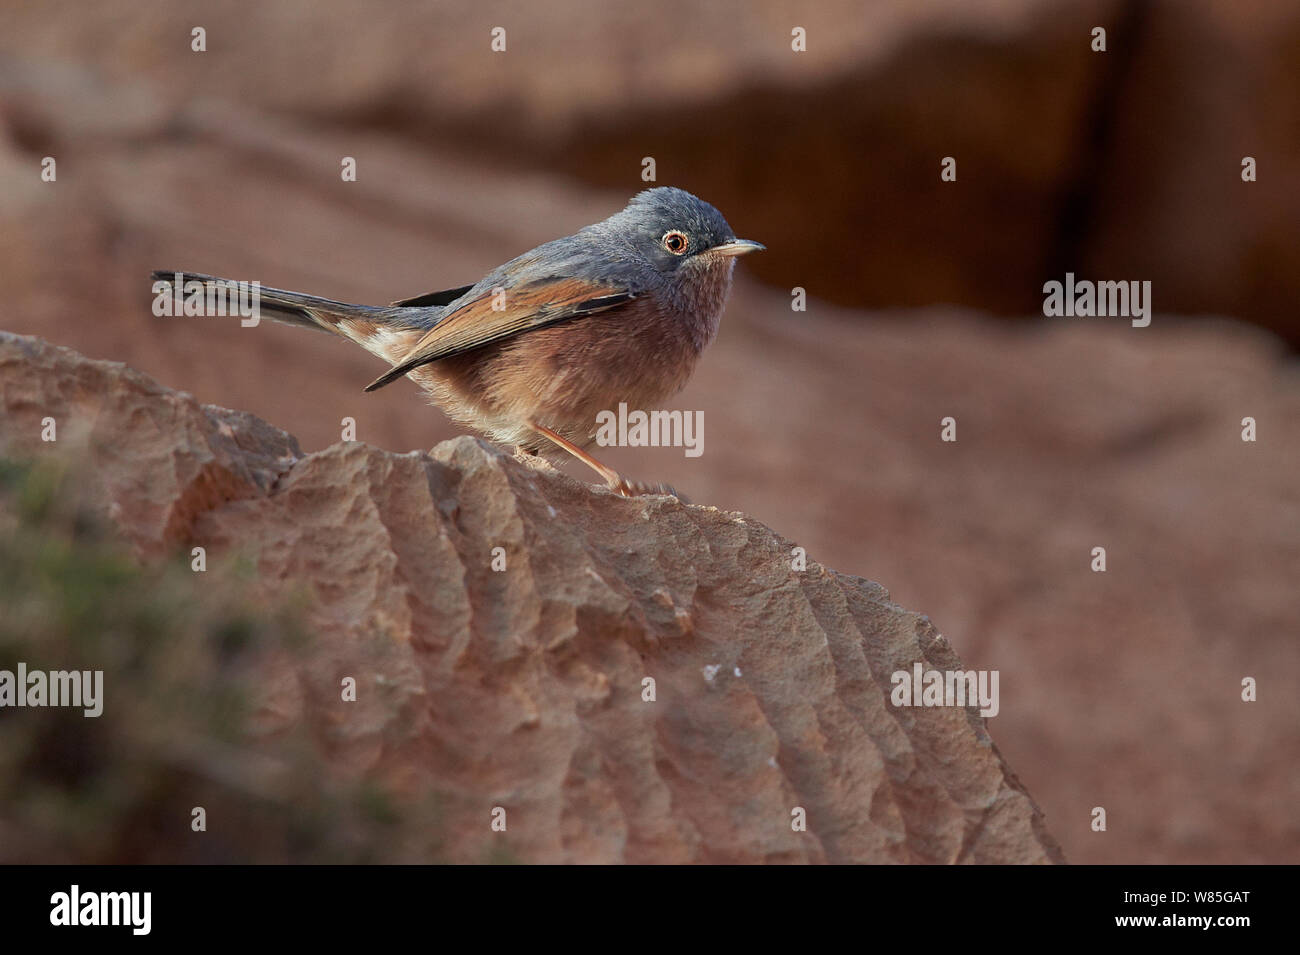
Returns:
point(615, 481)
point(612, 477)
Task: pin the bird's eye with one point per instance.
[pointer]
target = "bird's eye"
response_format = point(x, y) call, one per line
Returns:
point(675, 242)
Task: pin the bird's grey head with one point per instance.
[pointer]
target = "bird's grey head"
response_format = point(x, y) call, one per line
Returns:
point(675, 232)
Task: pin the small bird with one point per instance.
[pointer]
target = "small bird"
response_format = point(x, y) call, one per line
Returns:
point(530, 354)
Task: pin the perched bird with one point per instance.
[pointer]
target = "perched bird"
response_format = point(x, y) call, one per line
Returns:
point(532, 352)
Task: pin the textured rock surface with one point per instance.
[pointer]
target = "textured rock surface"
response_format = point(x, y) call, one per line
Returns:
point(522, 688)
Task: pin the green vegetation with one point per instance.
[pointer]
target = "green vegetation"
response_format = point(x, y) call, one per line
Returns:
point(187, 660)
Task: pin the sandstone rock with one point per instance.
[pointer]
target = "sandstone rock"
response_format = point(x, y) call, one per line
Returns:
point(522, 688)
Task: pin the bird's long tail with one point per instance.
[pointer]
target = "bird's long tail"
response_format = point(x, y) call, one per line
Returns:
point(383, 331)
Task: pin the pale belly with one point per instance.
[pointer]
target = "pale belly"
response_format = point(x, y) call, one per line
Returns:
point(563, 376)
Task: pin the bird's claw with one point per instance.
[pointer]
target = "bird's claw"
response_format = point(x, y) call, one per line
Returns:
point(637, 488)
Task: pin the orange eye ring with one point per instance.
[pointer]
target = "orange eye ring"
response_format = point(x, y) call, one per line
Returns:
point(676, 242)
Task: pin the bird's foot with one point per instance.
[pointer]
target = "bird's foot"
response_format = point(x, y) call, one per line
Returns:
point(637, 488)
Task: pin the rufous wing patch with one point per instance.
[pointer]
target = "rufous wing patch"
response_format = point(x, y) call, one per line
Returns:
point(478, 323)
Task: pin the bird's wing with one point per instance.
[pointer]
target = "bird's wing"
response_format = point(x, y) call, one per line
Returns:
point(445, 297)
point(488, 318)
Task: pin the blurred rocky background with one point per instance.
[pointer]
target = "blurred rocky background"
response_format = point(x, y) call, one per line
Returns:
point(1119, 689)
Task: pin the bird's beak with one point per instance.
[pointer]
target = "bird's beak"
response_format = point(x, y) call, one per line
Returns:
point(738, 247)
